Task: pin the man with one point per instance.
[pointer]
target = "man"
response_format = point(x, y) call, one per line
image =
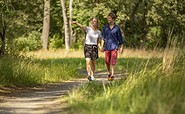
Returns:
point(112, 42)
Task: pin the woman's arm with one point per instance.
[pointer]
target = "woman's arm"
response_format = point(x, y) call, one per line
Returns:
point(80, 25)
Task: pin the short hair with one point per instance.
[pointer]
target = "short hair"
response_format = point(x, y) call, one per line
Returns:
point(112, 15)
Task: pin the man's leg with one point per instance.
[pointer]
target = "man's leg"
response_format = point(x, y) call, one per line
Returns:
point(108, 60)
point(114, 54)
point(112, 70)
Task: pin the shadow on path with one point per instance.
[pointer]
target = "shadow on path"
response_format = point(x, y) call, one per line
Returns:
point(42, 100)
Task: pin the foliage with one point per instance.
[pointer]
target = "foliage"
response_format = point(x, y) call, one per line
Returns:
point(56, 42)
point(79, 44)
point(19, 18)
point(143, 22)
point(29, 43)
point(136, 18)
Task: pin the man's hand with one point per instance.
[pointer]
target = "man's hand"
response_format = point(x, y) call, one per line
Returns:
point(102, 46)
point(101, 49)
point(121, 48)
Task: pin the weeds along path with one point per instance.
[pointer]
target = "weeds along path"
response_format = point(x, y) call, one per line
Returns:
point(45, 99)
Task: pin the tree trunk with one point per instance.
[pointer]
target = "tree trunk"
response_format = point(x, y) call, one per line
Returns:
point(2, 49)
point(2, 35)
point(70, 19)
point(145, 26)
point(46, 24)
point(132, 16)
point(67, 39)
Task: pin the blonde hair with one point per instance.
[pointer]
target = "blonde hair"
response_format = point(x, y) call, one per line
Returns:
point(94, 18)
point(91, 19)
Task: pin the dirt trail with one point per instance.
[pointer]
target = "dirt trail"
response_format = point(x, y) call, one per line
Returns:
point(41, 100)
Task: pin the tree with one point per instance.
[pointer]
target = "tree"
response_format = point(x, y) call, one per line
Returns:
point(5, 13)
point(2, 34)
point(70, 19)
point(18, 19)
point(46, 24)
point(67, 38)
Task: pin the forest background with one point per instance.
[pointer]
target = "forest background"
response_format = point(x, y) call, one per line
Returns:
point(37, 24)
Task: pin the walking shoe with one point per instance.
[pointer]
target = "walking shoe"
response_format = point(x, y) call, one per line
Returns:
point(110, 78)
point(90, 78)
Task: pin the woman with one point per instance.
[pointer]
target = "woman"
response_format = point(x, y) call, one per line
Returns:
point(92, 42)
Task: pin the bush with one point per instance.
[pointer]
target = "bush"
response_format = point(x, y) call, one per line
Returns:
point(29, 43)
point(56, 41)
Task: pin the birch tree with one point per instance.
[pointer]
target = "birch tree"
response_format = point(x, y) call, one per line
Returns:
point(46, 24)
point(67, 39)
point(70, 19)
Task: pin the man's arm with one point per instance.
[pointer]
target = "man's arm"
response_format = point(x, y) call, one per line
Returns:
point(120, 37)
point(121, 41)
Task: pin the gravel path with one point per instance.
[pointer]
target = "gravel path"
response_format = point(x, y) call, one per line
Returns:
point(45, 99)
point(38, 100)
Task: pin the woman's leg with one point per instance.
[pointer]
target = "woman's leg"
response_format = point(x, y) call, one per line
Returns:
point(93, 67)
point(88, 66)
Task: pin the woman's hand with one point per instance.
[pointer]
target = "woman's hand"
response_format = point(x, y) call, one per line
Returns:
point(73, 22)
point(78, 24)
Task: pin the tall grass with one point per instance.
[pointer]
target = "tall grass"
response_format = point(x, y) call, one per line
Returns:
point(18, 72)
point(28, 72)
point(146, 90)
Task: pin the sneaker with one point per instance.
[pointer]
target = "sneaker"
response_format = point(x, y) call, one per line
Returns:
point(110, 78)
point(90, 78)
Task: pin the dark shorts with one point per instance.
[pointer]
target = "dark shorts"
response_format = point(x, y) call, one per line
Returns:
point(91, 51)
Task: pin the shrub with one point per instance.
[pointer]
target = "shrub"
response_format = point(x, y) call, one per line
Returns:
point(29, 43)
point(56, 41)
